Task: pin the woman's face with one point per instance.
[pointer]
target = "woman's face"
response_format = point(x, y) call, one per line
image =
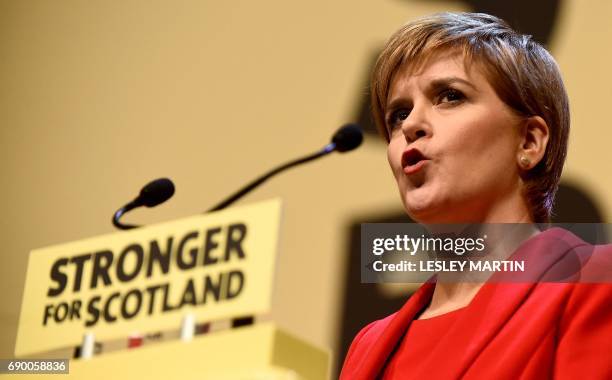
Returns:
point(453, 144)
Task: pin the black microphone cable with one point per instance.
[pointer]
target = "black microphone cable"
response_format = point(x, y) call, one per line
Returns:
point(160, 190)
point(345, 139)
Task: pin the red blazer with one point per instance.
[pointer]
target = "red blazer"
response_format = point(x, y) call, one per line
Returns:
point(537, 330)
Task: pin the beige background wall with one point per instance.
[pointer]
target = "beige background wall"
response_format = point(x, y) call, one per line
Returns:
point(99, 97)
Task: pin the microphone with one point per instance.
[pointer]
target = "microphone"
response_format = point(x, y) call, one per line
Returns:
point(344, 140)
point(155, 192)
point(347, 138)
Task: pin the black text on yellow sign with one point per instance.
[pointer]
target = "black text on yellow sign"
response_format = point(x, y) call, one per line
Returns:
point(104, 268)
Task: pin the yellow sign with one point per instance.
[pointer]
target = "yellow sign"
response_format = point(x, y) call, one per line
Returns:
point(216, 266)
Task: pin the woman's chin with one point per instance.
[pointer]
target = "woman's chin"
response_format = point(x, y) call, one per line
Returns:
point(421, 211)
point(429, 210)
point(436, 213)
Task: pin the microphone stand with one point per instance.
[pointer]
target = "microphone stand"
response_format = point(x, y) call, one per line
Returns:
point(240, 193)
point(130, 206)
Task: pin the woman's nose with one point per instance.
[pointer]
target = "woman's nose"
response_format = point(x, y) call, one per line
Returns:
point(415, 127)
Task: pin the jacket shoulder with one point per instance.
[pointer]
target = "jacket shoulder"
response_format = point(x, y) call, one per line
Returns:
point(362, 342)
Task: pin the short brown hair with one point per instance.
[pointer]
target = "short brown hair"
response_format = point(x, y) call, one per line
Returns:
point(523, 74)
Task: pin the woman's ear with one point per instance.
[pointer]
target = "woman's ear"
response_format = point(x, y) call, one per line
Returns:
point(534, 139)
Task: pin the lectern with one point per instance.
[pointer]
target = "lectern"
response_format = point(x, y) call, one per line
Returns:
point(101, 297)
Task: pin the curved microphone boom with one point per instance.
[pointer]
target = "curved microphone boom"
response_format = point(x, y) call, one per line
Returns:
point(154, 193)
point(345, 139)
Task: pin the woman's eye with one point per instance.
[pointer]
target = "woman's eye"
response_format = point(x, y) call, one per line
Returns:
point(450, 96)
point(397, 117)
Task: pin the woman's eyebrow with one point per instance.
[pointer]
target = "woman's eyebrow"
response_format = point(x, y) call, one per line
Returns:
point(440, 83)
point(433, 86)
point(396, 103)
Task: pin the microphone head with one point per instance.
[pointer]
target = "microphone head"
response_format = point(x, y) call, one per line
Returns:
point(347, 138)
point(156, 192)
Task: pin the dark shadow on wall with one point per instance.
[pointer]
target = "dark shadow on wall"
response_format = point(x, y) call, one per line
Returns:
point(574, 204)
point(536, 18)
point(364, 303)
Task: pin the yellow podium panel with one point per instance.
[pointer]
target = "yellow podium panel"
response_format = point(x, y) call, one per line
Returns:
point(214, 266)
point(255, 352)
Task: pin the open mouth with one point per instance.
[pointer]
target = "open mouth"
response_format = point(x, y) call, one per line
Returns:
point(412, 157)
point(413, 160)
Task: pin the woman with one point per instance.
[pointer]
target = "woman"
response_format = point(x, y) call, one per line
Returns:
point(477, 120)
